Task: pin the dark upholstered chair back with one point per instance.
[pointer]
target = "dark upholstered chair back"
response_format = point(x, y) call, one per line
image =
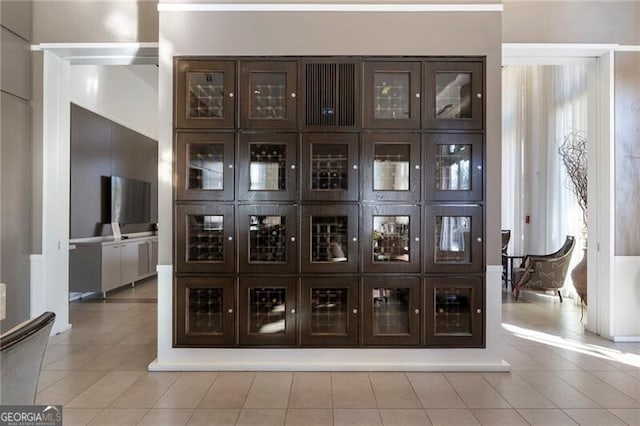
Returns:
point(21, 353)
point(506, 237)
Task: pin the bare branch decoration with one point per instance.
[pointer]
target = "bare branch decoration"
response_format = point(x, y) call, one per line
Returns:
point(573, 152)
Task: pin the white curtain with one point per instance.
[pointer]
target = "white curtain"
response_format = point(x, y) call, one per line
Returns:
point(541, 104)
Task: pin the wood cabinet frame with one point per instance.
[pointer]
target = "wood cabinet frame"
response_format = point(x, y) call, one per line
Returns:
point(476, 263)
point(350, 338)
point(288, 338)
point(290, 193)
point(289, 212)
point(351, 265)
point(184, 141)
point(415, 93)
point(414, 337)
point(412, 195)
point(348, 139)
point(476, 166)
point(366, 238)
point(289, 68)
point(183, 211)
point(475, 68)
point(182, 69)
point(477, 316)
point(182, 336)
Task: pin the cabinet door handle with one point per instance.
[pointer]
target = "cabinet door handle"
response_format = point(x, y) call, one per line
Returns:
point(293, 167)
point(231, 94)
point(417, 311)
point(293, 239)
point(293, 311)
point(355, 311)
point(230, 310)
point(478, 311)
point(293, 95)
point(479, 95)
point(230, 238)
point(417, 95)
point(354, 239)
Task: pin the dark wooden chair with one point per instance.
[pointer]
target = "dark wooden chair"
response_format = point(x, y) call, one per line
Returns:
point(544, 272)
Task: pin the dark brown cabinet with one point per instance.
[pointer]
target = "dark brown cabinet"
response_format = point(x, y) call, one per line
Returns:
point(454, 238)
point(456, 169)
point(391, 167)
point(205, 95)
point(205, 238)
point(454, 315)
point(268, 311)
point(329, 239)
point(205, 311)
point(205, 166)
point(391, 311)
point(329, 311)
point(390, 238)
point(392, 95)
point(455, 98)
point(267, 169)
point(268, 94)
point(331, 94)
point(330, 167)
point(329, 201)
point(267, 239)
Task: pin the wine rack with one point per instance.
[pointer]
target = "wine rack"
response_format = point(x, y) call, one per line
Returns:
point(267, 239)
point(387, 199)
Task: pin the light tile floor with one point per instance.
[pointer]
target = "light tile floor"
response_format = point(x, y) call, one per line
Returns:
point(561, 375)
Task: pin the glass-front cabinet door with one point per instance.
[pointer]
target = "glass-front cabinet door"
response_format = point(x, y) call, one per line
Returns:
point(204, 238)
point(205, 94)
point(391, 170)
point(392, 95)
point(269, 94)
point(267, 237)
point(330, 167)
point(391, 238)
point(454, 239)
point(329, 311)
point(391, 311)
point(267, 311)
point(456, 173)
point(205, 311)
point(267, 169)
point(454, 311)
point(329, 239)
point(454, 95)
point(205, 166)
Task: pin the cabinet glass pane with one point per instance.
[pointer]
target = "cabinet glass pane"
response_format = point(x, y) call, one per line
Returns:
point(267, 239)
point(205, 238)
point(391, 167)
point(329, 164)
point(268, 95)
point(453, 95)
point(205, 310)
point(329, 310)
point(390, 310)
point(206, 166)
point(391, 238)
point(329, 238)
point(453, 239)
point(206, 94)
point(452, 167)
point(452, 311)
point(391, 95)
point(267, 310)
point(267, 167)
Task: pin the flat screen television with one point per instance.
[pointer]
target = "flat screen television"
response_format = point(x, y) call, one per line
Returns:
point(130, 200)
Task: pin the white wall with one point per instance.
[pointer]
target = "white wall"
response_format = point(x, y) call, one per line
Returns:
point(330, 33)
point(127, 95)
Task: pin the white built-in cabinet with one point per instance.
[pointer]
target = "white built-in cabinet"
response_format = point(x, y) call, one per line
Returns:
point(104, 266)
